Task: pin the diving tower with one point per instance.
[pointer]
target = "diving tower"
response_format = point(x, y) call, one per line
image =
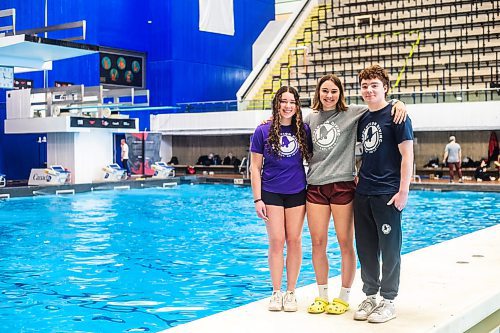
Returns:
point(79, 121)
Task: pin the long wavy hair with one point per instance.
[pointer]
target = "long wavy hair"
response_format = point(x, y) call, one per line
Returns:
point(297, 124)
point(341, 104)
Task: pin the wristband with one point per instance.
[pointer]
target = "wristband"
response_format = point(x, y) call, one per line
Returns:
point(257, 200)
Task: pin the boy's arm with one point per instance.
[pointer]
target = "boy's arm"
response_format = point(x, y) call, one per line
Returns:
point(400, 199)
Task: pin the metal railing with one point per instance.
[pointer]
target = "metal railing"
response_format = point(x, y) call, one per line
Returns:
point(59, 27)
point(8, 28)
point(439, 96)
point(210, 106)
point(415, 97)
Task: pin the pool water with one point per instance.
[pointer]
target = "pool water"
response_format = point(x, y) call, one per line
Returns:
point(146, 260)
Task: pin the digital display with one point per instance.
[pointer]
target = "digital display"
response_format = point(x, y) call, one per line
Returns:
point(121, 70)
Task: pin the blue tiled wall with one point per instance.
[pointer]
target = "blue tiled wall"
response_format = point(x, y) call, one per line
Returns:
point(183, 63)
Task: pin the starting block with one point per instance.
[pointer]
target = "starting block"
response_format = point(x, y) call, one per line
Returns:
point(3, 181)
point(113, 172)
point(162, 170)
point(54, 175)
point(57, 175)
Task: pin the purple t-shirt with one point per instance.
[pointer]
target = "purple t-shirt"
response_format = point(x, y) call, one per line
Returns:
point(285, 173)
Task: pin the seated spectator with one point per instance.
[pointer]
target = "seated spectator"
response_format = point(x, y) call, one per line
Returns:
point(229, 159)
point(216, 160)
point(481, 172)
point(468, 162)
point(203, 160)
point(433, 163)
point(209, 160)
point(173, 161)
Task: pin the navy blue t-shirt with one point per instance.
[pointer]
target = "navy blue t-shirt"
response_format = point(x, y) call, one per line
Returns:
point(380, 171)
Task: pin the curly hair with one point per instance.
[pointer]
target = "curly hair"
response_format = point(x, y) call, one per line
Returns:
point(298, 128)
point(341, 104)
point(375, 72)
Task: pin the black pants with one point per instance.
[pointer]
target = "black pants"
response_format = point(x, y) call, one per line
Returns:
point(125, 166)
point(378, 233)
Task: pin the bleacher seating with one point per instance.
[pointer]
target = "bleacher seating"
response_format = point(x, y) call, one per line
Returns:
point(429, 44)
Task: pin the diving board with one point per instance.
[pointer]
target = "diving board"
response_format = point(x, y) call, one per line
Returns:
point(27, 52)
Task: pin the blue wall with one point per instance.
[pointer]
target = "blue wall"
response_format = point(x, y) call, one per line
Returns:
point(183, 63)
point(203, 66)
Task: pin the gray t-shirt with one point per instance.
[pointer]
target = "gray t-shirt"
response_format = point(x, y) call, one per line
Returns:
point(334, 138)
point(453, 149)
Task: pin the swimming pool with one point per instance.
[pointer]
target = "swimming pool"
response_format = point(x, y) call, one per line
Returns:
point(145, 260)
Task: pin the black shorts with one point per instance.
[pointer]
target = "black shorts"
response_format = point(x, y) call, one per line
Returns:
point(284, 200)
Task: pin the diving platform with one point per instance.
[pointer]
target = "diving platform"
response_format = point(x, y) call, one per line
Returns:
point(27, 52)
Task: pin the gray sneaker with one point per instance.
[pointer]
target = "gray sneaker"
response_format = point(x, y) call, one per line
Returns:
point(276, 301)
point(384, 311)
point(365, 309)
point(290, 302)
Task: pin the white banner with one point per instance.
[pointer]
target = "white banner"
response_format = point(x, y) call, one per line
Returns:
point(217, 16)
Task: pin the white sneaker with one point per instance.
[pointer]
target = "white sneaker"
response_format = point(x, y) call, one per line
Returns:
point(384, 311)
point(290, 302)
point(276, 301)
point(365, 309)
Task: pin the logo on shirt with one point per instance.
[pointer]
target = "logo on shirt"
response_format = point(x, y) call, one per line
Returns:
point(326, 135)
point(288, 145)
point(372, 137)
point(386, 229)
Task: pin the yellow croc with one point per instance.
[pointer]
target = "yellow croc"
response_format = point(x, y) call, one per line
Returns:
point(337, 306)
point(318, 305)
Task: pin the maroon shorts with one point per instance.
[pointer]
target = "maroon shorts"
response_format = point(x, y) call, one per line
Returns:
point(340, 193)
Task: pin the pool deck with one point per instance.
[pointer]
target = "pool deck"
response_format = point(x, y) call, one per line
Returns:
point(20, 189)
point(448, 287)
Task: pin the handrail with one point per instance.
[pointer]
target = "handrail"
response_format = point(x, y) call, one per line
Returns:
point(5, 13)
point(58, 27)
point(246, 104)
point(268, 58)
point(208, 102)
point(423, 92)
